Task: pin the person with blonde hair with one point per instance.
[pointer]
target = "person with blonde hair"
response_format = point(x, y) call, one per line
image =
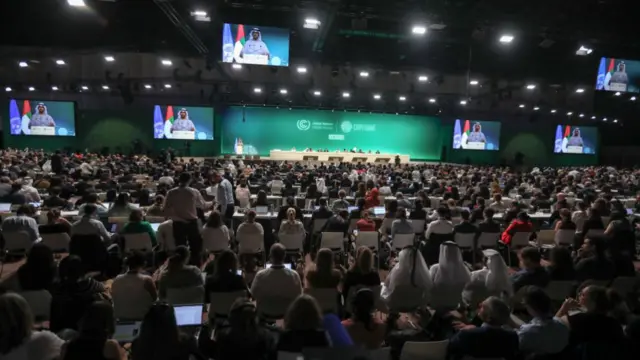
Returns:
point(324, 275)
point(362, 272)
point(303, 326)
point(291, 226)
point(18, 340)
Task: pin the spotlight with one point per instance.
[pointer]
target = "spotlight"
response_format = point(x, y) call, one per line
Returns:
point(579, 90)
point(506, 39)
point(604, 119)
point(531, 86)
point(8, 89)
point(521, 106)
point(569, 113)
point(105, 87)
point(109, 58)
point(463, 102)
point(633, 98)
point(553, 111)
point(615, 120)
point(54, 88)
point(364, 74)
point(200, 13)
point(283, 91)
point(312, 23)
point(581, 115)
point(23, 64)
point(423, 78)
point(377, 96)
point(147, 86)
point(536, 108)
point(346, 95)
point(166, 62)
point(302, 70)
point(76, 3)
point(317, 93)
point(432, 100)
point(617, 93)
point(593, 117)
point(473, 82)
point(60, 62)
point(236, 66)
point(419, 30)
point(167, 86)
point(31, 88)
point(402, 98)
point(257, 90)
point(583, 51)
point(85, 87)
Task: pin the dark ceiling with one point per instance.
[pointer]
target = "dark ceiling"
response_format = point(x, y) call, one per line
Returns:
point(374, 33)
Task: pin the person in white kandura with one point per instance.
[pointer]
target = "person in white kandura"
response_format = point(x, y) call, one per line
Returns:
point(183, 123)
point(41, 117)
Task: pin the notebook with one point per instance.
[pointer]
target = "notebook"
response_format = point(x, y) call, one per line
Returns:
point(126, 331)
point(188, 315)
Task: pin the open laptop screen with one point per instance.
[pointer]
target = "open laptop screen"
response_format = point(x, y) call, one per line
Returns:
point(188, 315)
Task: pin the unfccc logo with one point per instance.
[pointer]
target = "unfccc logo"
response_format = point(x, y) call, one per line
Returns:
point(303, 124)
point(346, 126)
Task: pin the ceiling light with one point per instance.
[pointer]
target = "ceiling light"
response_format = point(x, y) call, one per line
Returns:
point(364, 74)
point(581, 115)
point(54, 88)
point(302, 70)
point(521, 106)
point(593, 117)
point(569, 113)
point(419, 30)
point(531, 86)
point(345, 94)
point(166, 62)
point(615, 120)
point(31, 88)
point(23, 64)
point(60, 62)
point(283, 91)
point(257, 90)
point(422, 78)
point(583, 51)
point(311, 23)
point(473, 82)
point(402, 98)
point(604, 119)
point(76, 3)
point(432, 100)
point(553, 111)
point(617, 93)
point(200, 13)
point(317, 93)
point(536, 108)
point(376, 96)
point(109, 58)
point(8, 89)
point(505, 39)
point(236, 66)
point(579, 90)
point(147, 86)
point(85, 87)
point(167, 86)
point(105, 87)
point(463, 102)
point(633, 98)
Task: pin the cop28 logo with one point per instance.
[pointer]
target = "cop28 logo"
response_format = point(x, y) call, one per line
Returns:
point(346, 126)
point(303, 124)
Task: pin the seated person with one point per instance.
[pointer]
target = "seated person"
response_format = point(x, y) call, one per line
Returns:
point(565, 222)
point(366, 224)
point(488, 225)
point(22, 221)
point(322, 212)
point(532, 272)
point(401, 225)
point(215, 228)
point(521, 224)
point(544, 334)
point(362, 272)
point(282, 213)
point(497, 205)
point(137, 225)
point(364, 329)
point(122, 206)
point(292, 226)
point(225, 276)
point(439, 226)
point(324, 274)
point(157, 208)
point(560, 266)
point(592, 262)
point(465, 227)
point(175, 273)
point(418, 212)
point(55, 224)
point(337, 223)
point(302, 326)
point(341, 203)
point(276, 281)
point(54, 200)
point(93, 199)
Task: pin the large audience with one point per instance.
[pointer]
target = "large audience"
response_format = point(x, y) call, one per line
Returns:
point(483, 262)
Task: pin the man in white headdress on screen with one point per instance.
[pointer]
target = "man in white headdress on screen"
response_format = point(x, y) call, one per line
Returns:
point(255, 46)
point(183, 123)
point(619, 79)
point(574, 140)
point(41, 117)
point(476, 135)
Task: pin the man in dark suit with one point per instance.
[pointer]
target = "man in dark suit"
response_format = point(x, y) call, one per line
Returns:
point(465, 227)
point(490, 340)
point(323, 212)
point(338, 223)
point(488, 225)
point(54, 200)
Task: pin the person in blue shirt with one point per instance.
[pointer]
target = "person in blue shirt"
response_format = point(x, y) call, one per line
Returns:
point(532, 272)
point(544, 334)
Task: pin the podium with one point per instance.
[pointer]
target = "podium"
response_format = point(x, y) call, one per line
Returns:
point(475, 146)
point(43, 130)
point(617, 87)
point(183, 135)
point(574, 150)
point(255, 59)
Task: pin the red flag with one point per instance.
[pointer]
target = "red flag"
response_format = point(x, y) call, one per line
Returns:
point(26, 108)
point(467, 127)
point(612, 64)
point(169, 114)
point(240, 36)
point(567, 131)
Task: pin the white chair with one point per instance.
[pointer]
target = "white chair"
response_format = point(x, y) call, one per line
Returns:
point(318, 224)
point(293, 243)
point(253, 244)
point(333, 241)
point(465, 241)
point(273, 307)
point(401, 241)
point(368, 239)
point(276, 187)
point(418, 226)
point(546, 237)
point(559, 290)
point(327, 299)
point(155, 219)
point(386, 225)
point(17, 242)
point(520, 239)
point(130, 302)
point(40, 303)
point(220, 303)
point(213, 243)
point(488, 240)
point(429, 350)
point(185, 295)
point(57, 242)
point(435, 202)
point(138, 242)
point(564, 237)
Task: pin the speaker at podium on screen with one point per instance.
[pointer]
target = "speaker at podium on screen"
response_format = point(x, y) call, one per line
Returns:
point(238, 146)
point(572, 142)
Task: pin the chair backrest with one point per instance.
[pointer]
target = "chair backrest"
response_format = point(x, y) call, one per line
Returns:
point(17, 241)
point(456, 220)
point(273, 307)
point(185, 295)
point(520, 239)
point(353, 224)
point(155, 219)
point(332, 240)
point(40, 303)
point(131, 301)
point(605, 220)
point(401, 241)
point(560, 290)
point(435, 202)
point(57, 242)
point(489, 240)
point(465, 241)
point(138, 241)
point(214, 241)
point(327, 299)
point(220, 302)
point(429, 350)
point(252, 244)
point(368, 239)
point(564, 237)
point(318, 224)
point(418, 226)
point(594, 233)
point(546, 237)
point(386, 225)
point(292, 242)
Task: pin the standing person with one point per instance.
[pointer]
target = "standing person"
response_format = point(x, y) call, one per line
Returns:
point(181, 205)
point(224, 197)
point(56, 162)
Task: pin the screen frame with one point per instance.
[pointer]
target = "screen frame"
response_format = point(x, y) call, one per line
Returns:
point(461, 120)
point(597, 145)
point(75, 117)
point(231, 24)
point(163, 108)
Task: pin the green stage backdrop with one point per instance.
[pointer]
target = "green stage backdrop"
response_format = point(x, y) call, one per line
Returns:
point(257, 131)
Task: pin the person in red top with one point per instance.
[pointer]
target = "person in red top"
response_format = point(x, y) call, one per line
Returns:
point(520, 224)
point(366, 224)
point(371, 199)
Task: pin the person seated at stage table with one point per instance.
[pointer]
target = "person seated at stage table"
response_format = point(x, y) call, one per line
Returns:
point(54, 200)
point(322, 212)
point(341, 203)
point(137, 225)
point(291, 226)
point(290, 204)
point(55, 224)
point(22, 221)
point(465, 227)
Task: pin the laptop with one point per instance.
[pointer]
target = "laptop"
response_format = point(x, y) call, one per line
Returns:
point(379, 211)
point(114, 228)
point(5, 207)
point(188, 315)
point(352, 208)
point(629, 211)
point(268, 265)
point(155, 226)
point(126, 331)
point(262, 209)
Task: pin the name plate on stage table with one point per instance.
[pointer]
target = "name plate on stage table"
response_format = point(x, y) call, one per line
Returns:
point(183, 135)
point(43, 130)
point(475, 146)
point(618, 87)
point(255, 59)
point(574, 149)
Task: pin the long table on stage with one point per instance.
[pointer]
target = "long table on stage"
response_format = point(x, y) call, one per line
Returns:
point(335, 156)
